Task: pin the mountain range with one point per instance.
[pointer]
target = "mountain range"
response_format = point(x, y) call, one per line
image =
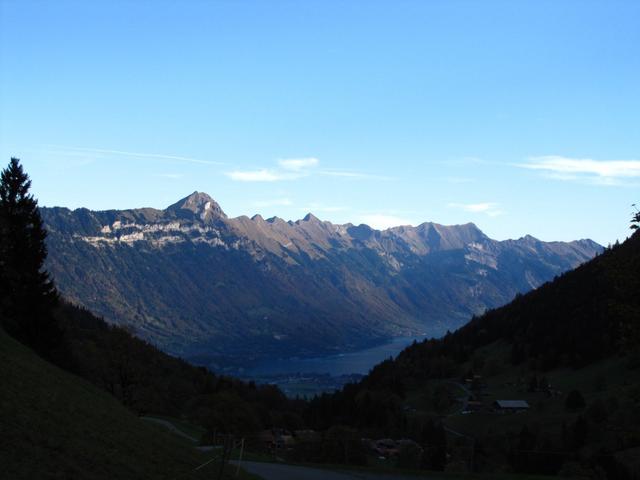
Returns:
point(202, 285)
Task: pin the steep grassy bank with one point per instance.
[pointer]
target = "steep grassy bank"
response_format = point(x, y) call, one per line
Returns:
point(56, 425)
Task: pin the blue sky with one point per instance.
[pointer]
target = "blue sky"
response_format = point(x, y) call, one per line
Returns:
point(522, 117)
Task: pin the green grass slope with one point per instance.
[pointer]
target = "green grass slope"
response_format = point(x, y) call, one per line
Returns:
point(56, 425)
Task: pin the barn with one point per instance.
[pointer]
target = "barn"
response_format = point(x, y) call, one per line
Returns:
point(510, 405)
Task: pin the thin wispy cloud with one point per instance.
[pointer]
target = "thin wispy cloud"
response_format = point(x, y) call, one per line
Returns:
point(459, 180)
point(488, 208)
point(354, 175)
point(381, 221)
point(601, 172)
point(65, 149)
point(294, 169)
point(262, 175)
point(298, 164)
point(288, 169)
point(464, 161)
point(472, 159)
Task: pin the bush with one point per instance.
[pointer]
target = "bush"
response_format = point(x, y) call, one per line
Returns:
point(343, 445)
point(597, 411)
point(575, 401)
point(409, 456)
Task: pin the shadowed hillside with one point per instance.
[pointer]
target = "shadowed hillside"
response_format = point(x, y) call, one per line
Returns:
point(568, 351)
point(149, 381)
point(56, 425)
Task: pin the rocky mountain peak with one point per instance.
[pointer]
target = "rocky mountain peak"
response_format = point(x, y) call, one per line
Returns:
point(310, 217)
point(200, 204)
point(529, 240)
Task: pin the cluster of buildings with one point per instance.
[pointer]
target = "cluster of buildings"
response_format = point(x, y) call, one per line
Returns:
point(476, 385)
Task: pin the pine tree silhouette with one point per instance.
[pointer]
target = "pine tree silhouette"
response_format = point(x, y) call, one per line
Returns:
point(27, 293)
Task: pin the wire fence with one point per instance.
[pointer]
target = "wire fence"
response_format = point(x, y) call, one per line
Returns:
point(228, 444)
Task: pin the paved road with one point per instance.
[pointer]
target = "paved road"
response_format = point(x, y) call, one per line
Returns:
point(279, 471)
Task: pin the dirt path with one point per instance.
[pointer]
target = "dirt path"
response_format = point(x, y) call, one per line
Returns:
point(170, 426)
point(464, 401)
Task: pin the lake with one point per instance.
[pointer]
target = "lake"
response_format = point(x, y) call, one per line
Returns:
point(359, 362)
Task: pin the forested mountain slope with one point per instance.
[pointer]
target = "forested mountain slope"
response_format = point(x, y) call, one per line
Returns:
point(585, 315)
point(149, 381)
point(569, 350)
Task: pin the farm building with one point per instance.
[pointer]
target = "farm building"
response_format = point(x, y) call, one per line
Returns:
point(510, 405)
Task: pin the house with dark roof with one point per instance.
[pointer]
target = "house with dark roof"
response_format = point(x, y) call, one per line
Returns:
point(511, 405)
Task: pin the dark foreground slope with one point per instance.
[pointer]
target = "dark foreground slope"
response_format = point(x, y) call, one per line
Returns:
point(151, 382)
point(56, 425)
point(195, 282)
point(571, 349)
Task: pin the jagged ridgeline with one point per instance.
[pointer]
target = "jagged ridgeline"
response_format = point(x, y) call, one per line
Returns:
point(194, 281)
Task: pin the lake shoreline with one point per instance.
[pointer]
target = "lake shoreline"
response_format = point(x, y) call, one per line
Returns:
point(309, 376)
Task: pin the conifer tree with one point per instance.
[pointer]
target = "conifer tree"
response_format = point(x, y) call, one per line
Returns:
point(27, 293)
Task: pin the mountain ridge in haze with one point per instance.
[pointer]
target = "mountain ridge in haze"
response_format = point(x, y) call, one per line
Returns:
point(196, 282)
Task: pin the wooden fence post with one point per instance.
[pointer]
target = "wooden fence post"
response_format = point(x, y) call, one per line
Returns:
point(240, 457)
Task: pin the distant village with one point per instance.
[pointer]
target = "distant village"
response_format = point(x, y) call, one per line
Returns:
point(306, 385)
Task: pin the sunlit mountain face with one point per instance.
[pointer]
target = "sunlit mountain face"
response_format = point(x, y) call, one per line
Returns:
point(198, 283)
